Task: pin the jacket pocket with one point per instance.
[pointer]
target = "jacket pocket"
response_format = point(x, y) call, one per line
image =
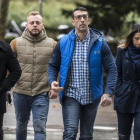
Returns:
point(123, 90)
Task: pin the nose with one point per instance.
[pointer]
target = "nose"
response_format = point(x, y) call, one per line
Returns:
point(34, 24)
point(139, 41)
point(82, 19)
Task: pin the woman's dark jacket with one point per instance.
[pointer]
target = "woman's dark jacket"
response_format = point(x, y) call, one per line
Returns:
point(8, 61)
point(127, 93)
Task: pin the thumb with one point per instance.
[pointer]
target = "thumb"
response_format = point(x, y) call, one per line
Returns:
point(101, 100)
point(56, 83)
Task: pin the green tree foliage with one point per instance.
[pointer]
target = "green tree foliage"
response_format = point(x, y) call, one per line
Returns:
point(51, 11)
point(109, 14)
point(105, 15)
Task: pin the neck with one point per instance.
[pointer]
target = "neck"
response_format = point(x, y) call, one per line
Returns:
point(81, 36)
point(29, 34)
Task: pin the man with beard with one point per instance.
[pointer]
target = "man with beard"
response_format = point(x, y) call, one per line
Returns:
point(80, 57)
point(32, 92)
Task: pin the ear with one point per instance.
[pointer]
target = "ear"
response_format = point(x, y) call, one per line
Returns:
point(89, 21)
point(72, 21)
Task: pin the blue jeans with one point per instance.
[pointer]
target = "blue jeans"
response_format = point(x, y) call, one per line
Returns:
point(73, 112)
point(125, 121)
point(39, 105)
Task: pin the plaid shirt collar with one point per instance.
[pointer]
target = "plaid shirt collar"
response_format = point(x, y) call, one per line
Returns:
point(86, 38)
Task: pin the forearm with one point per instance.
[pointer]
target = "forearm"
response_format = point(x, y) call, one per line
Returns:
point(54, 64)
point(110, 68)
point(52, 73)
point(119, 67)
point(10, 80)
point(111, 79)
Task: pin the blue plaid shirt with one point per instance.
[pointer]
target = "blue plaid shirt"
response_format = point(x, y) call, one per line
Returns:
point(79, 85)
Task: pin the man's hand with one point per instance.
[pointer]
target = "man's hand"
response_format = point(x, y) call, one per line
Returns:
point(105, 100)
point(55, 87)
point(52, 94)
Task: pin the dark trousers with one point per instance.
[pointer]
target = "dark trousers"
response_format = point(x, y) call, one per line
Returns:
point(1, 125)
point(73, 112)
point(125, 121)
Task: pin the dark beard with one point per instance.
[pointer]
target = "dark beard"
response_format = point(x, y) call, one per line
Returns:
point(35, 35)
point(82, 31)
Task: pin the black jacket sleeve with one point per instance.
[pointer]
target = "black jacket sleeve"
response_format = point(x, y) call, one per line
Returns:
point(14, 69)
point(119, 66)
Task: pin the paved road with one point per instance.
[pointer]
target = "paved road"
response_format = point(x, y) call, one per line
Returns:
point(105, 125)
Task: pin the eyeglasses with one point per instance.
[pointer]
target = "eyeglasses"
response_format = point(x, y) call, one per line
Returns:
point(85, 16)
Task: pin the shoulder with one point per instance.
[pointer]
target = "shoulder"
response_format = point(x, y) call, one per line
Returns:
point(64, 38)
point(62, 42)
point(13, 43)
point(6, 49)
point(120, 54)
point(70, 36)
point(16, 42)
point(105, 46)
point(120, 50)
point(52, 41)
point(9, 49)
point(4, 46)
point(49, 40)
point(18, 39)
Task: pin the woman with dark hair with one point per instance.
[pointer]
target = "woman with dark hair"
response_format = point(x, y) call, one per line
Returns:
point(127, 93)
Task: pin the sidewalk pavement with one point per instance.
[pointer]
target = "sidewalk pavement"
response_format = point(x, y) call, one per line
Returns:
point(105, 127)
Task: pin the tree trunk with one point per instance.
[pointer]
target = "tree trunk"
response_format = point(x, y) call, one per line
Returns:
point(4, 4)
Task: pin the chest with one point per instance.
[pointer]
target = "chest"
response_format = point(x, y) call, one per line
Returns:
point(80, 52)
point(34, 52)
point(3, 58)
point(3, 64)
point(128, 70)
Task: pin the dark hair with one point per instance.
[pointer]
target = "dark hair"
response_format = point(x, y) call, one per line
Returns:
point(135, 29)
point(79, 9)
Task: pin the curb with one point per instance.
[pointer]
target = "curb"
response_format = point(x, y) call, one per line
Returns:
point(102, 128)
point(105, 128)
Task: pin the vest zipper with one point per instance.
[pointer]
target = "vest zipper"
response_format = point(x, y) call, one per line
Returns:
point(33, 68)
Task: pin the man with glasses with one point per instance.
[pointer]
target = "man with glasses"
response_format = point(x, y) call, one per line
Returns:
point(80, 57)
point(31, 93)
